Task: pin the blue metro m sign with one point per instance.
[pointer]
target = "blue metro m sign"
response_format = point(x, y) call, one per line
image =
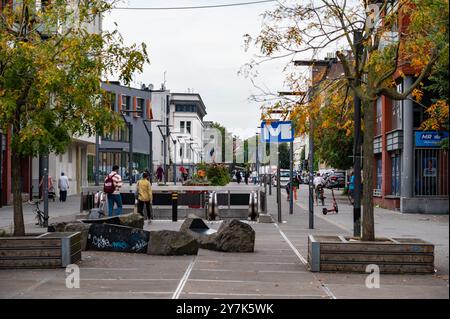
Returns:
point(277, 132)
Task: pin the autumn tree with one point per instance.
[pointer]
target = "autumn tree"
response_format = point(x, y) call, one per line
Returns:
point(50, 75)
point(394, 35)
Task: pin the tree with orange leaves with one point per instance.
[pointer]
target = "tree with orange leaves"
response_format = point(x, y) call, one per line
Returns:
point(396, 35)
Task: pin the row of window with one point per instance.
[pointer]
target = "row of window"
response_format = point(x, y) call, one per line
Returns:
point(126, 103)
point(109, 159)
point(430, 173)
point(118, 135)
point(394, 172)
point(396, 113)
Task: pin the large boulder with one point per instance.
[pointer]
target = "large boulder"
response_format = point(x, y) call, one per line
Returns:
point(168, 242)
point(235, 236)
point(196, 227)
point(134, 220)
point(79, 227)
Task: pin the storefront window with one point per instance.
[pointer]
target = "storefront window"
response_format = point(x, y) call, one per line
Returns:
point(109, 159)
point(379, 174)
point(431, 172)
point(395, 175)
point(378, 117)
point(118, 135)
point(397, 109)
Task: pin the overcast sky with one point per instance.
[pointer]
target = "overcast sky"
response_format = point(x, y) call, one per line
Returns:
point(201, 49)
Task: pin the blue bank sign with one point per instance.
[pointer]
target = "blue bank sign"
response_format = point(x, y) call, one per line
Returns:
point(429, 138)
point(277, 132)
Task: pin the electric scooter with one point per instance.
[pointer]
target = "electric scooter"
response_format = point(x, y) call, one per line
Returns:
point(333, 210)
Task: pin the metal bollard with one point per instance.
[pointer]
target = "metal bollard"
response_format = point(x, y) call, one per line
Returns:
point(174, 206)
point(212, 206)
point(253, 206)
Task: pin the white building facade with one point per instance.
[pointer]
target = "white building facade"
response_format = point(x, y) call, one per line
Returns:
point(187, 111)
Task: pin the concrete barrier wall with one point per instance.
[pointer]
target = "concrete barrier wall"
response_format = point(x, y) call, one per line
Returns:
point(424, 205)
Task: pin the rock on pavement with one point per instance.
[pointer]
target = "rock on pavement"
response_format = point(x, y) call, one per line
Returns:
point(168, 242)
point(134, 220)
point(235, 236)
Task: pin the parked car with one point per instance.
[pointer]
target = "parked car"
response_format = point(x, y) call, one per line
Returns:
point(335, 179)
point(284, 178)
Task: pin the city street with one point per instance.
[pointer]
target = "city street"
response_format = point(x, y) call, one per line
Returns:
point(277, 268)
point(182, 109)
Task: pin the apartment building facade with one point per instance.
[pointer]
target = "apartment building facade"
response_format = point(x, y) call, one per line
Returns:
point(187, 111)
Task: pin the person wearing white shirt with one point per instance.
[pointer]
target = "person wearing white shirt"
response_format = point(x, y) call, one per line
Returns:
point(63, 185)
point(318, 180)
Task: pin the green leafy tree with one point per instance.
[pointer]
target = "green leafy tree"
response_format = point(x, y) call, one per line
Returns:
point(50, 78)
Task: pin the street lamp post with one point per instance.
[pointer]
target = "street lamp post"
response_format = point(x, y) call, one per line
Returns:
point(97, 159)
point(130, 148)
point(291, 175)
point(175, 162)
point(257, 157)
point(150, 150)
point(45, 188)
point(165, 147)
point(278, 184)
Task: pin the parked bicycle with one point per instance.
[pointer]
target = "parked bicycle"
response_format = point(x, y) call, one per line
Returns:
point(39, 214)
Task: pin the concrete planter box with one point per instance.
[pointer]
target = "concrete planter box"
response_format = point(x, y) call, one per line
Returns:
point(391, 255)
point(49, 250)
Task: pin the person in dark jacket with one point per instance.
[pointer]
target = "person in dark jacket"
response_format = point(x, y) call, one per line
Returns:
point(238, 177)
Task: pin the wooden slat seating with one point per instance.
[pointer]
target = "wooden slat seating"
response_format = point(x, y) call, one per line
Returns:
point(49, 250)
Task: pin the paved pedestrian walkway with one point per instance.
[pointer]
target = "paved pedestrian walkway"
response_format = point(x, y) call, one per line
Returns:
point(277, 268)
point(57, 211)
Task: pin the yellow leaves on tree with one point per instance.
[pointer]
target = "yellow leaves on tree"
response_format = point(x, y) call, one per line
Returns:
point(437, 116)
point(417, 94)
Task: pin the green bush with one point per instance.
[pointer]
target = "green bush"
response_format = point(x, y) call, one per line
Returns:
point(217, 174)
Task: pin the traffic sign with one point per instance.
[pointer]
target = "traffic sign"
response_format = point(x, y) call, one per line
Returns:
point(277, 132)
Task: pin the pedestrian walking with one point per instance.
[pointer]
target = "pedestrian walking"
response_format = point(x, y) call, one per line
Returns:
point(144, 191)
point(246, 177)
point(238, 177)
point(295, 185)
point(63, 185)
point(254, 177)
point(351, 186)
point(288, 190)
point(111, 186)
point(159, 173)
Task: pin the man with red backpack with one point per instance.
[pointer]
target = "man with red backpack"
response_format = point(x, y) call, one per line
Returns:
point(111, 187)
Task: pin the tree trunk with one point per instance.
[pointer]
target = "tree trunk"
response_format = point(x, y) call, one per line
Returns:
point(19, 226)
point(368, 225)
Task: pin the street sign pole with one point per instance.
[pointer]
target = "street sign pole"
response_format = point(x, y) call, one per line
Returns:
point(278, 184)
point(45, 188)
point(291, 176)
point(311, 174)
point(278, 132)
